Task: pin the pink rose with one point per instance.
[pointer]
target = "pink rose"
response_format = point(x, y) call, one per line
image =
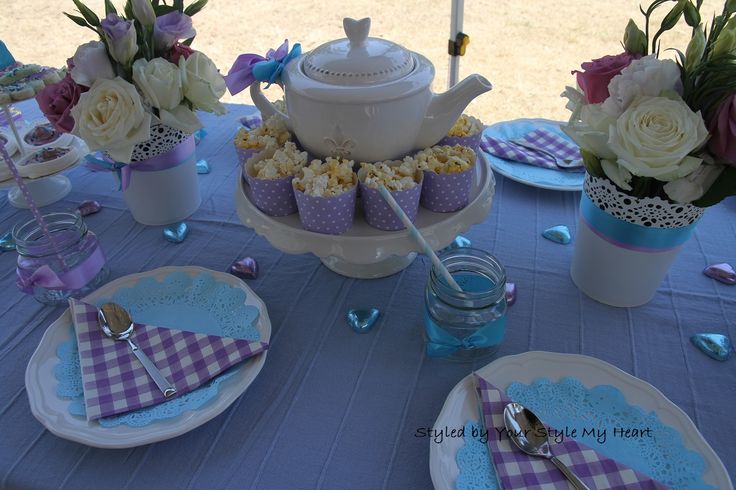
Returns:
point(177, 51)
point(597, 74)
point(723, 131)
point(56, 102)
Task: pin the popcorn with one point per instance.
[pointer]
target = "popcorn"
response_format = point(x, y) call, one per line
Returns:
point(284, 162)
point(465, 126)
point(395, 175)
point(326, 179)
point(272, 132)
point(446, 159)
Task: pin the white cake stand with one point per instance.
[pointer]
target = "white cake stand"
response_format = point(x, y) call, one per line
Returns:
point(47, 189)
point(363, 251)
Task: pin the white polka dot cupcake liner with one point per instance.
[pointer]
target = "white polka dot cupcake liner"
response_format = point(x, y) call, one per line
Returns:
point(379, 214)
point(328, 215)
point(446, 193)
point(469, 141)
point(275, 197)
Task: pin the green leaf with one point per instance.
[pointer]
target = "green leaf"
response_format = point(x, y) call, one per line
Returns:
point(723, 187)
point(592, 163)
point(179, 5)
point(128, 10)
point(90, 16)
point(163, 10)
point(692, 16)
point(110, 8)
point(195, 7)
point(78, 20)
point(188, 42)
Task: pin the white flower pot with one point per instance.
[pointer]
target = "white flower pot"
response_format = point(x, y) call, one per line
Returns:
point(623, 252)
point(162, 197)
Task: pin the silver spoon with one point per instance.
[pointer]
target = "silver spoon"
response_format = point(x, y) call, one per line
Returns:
point(530, 435)
point(115, 321)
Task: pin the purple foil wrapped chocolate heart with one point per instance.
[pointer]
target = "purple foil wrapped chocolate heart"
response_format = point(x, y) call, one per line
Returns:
point(245, 268)
point(722, 272)
point(89, 207)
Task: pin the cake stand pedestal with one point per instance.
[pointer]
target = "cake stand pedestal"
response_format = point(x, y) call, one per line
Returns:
point(44, 191)
point(365, 252)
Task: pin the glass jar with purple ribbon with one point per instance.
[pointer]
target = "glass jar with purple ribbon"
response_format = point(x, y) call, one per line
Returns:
point(468, 324)
point(63, 261)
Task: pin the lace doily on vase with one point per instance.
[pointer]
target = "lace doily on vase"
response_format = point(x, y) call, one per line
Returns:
point(163, 138)
point(198, 304)
point(568, 403)
point(652, 212)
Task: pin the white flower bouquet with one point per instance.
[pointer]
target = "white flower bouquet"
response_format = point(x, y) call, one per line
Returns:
point(657, 127)
point(141, 73)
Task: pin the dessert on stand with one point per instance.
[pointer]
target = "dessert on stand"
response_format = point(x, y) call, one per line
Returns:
point(363, 100)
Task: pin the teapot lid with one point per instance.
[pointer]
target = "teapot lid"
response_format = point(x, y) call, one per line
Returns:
point(358, 60)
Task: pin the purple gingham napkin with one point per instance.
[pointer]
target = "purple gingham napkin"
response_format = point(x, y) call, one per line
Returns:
point(115, 382)
point(517, 470)
point(541, 148)
point(251, 120)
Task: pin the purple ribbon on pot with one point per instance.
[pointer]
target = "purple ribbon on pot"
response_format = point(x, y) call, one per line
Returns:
point(74, 278)
point(251, 67)
point(170, 159)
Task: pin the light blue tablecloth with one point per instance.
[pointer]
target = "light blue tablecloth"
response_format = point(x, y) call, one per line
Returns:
point(336, 409)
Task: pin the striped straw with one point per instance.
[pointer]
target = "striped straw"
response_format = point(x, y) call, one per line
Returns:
point(418, 237)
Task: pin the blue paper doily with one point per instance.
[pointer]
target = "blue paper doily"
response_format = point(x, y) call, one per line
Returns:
point(568, 403)
point(198, 304)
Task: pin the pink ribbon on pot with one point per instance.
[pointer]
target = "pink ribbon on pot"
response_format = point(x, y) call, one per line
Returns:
point(170, 159)
point(74, 278)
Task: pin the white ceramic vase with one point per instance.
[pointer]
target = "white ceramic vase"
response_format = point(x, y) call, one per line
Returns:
point(625, 246)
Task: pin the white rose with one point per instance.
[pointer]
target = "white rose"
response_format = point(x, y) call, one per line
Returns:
point(618, 175)
point(654, 137)
point(588, 125)
point(691, 187)
point(202, 83)
point(91, 63)
point(111, 117)
point(645, 76)
point(159, 81)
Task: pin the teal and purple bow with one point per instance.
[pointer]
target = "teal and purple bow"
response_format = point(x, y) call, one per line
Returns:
point(249, 68)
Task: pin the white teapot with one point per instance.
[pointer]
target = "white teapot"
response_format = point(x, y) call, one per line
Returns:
point(366, 99)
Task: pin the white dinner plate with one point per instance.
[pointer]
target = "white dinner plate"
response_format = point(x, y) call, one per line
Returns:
point(461, 406)
point(544, 178)
point(53, 411)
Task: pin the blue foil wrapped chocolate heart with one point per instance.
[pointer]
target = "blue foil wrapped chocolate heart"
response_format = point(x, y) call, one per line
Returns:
point(245, 268)
point(203, 167)
point(721, 272)
point(558, 234)
point(7, 244)
point(459, 242)
point(362, 321)
point(176, 233)
point(714, 345)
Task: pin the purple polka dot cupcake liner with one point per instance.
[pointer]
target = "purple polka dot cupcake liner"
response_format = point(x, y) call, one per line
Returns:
point(469, 141)
point(245, 154)
point(378, 213)
point(328, 215)
point(275, 197)
point(446, 193)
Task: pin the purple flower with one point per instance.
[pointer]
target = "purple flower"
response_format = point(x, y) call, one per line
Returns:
point(120, 38)
point(723, 131)
point(170, 28)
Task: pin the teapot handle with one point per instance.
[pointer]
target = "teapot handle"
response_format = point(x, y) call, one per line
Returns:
point(265, 106)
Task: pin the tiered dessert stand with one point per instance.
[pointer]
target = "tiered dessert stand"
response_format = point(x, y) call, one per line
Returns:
point(363, 251)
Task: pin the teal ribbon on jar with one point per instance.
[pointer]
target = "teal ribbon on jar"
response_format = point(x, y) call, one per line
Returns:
point(442, 344)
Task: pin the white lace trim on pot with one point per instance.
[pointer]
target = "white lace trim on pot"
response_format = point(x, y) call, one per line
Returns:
point(163, 138)
point(652, 212)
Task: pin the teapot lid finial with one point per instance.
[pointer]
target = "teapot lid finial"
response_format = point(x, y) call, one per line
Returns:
point(356, 30)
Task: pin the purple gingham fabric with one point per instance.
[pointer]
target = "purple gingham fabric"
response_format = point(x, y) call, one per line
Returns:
point(540, 148)
point(115, 382)
point(517, 470)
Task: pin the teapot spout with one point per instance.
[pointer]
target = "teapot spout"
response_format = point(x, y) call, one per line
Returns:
point(444, 109)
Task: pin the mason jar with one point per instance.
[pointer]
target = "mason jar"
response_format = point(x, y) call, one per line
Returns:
point(468, 324)
point(71, 265)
